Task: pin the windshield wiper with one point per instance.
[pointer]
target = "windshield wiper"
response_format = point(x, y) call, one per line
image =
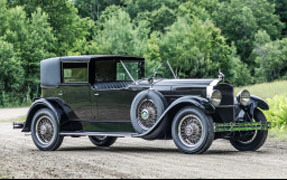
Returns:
point(126, 69)
point(175, 77)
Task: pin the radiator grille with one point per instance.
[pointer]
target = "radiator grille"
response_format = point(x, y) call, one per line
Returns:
point(225, 112)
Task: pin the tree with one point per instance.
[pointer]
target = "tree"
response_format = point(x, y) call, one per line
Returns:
point(271, 61)
point(118, 35)
point(67, 26)
point(32, 41)
point(133, 7)
point(94, 8)
point(195, 48)
point(240, 20)
point(11, 74)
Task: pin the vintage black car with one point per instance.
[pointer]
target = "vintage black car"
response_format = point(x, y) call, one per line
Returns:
point(105, 97)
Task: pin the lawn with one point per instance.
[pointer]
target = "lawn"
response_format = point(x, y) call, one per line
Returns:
point(266, 90)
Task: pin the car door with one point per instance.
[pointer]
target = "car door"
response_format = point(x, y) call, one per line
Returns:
point(75, 89)
point(112, 97)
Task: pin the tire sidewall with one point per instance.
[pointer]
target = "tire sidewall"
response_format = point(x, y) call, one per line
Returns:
point(108, 141)
point(158, 101)
point(56, 137)
point(208, 131)
point(259, 139)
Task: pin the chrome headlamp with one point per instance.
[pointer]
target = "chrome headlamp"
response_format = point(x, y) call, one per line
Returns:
point(216, 98)
point(244, 97)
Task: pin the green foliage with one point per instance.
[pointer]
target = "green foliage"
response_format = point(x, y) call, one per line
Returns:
point(194, 49)
point(67, 26)
point(120, 36)
point(11, 74)
point(94, 8)
point(277, 114)
point(245, 39)
point(240, 20)
point(271, 61)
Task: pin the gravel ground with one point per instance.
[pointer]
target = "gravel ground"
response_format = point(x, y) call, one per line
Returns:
point(132, 158)
point(12, 113)
point(135, 158)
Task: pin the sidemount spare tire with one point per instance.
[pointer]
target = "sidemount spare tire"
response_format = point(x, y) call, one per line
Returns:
point(146, 109)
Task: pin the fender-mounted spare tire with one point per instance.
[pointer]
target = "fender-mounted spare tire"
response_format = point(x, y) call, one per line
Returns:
point(146, 109)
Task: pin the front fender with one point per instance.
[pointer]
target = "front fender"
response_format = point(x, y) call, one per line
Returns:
point(199, 102)
point(259, 102)
point(255, 102)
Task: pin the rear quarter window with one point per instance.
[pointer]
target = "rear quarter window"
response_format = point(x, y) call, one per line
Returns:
point(75, 73)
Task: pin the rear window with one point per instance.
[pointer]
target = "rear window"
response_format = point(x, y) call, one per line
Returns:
point(75, 73)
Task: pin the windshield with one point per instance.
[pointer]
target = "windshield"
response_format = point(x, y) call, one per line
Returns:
point(159, 69)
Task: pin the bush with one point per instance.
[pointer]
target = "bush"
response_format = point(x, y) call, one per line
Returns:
point(278, 112)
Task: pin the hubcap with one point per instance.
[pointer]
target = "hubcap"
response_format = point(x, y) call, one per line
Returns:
point(146, 114)
point(45, 130)
point(190, 131)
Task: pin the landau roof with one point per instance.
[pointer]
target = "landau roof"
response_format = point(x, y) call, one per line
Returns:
point(51, 68)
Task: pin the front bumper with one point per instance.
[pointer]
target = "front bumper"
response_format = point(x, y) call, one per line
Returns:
point(233, 127)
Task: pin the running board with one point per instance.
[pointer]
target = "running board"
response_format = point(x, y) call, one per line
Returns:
point(110, 134)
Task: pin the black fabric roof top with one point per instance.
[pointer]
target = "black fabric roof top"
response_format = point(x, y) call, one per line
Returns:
point(89, 57)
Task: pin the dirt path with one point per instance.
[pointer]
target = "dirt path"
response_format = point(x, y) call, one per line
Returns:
point(8, 114)
point(135, 158)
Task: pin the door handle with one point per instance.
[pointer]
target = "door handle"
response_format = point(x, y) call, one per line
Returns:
point(96, 94)
point(61, 93)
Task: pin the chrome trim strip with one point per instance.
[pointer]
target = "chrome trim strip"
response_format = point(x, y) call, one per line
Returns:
point(110, 134)
point(209, 88)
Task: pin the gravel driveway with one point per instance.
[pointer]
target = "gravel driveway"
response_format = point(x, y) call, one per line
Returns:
point(135, 158)
point(12, 113)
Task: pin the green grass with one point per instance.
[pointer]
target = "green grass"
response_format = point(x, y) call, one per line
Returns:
point(266, 90)
point(278, 135)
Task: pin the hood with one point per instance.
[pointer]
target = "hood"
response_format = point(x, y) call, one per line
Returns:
point(186, 82)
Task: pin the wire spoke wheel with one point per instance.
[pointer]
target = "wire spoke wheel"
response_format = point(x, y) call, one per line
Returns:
point(146, 114)
point(45, 130)
point(190, 131)
point(246, 137)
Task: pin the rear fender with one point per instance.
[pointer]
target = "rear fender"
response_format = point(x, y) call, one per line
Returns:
point(56, 105)
point(199, 102)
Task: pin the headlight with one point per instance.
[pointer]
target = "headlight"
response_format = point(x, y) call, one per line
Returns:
point(244, 97)
point(216, 98)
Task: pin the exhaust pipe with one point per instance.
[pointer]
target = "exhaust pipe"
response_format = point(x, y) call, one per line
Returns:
point(18, 125)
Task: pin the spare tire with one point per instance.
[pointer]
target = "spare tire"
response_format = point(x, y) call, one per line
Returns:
point(146, 109)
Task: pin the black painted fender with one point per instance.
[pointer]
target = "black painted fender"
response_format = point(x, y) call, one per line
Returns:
point(199, 102)
point(56, 105)
point(257, 102)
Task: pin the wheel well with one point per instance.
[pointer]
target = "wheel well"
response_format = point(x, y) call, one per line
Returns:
point(171, 114)
point(34, 110)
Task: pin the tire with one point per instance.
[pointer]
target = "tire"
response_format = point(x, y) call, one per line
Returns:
point(102, 141)
point(44, 121)
point(193, 121)
point(150, 104)
point(256, 141)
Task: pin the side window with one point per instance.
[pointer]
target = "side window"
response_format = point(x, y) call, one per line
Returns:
point(75, 73)
point(105, 71)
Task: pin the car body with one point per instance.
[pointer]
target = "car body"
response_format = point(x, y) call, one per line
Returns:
point(105, 97)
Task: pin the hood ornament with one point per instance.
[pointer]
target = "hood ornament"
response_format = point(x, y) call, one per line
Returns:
point(221, 75)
